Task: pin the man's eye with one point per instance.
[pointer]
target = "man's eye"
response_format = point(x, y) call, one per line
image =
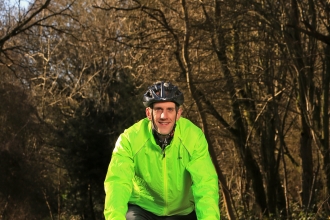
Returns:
point(171, 110)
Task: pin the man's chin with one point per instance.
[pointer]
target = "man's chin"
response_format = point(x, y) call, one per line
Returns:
point(164, 132)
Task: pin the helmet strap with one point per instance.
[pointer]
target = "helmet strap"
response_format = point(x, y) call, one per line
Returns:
point(162, 139)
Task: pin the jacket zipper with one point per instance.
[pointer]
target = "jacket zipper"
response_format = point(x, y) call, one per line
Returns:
point(165, 182)
point(164, 144)
point(163, 147)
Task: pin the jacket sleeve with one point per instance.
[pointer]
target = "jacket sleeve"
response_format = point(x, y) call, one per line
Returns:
point(205, 182)
point(118, 181)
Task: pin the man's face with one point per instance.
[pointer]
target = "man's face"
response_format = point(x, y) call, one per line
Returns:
point(164, 116)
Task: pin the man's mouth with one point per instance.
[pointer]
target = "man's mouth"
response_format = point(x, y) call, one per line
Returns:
point(164, 123)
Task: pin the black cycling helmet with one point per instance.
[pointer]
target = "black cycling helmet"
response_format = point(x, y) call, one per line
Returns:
point(162, 92)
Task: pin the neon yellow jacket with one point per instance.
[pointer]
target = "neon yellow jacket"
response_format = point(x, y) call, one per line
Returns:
point(173, 182)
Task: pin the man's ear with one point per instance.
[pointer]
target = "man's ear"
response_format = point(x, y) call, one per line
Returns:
point(148, 113)
point(178, 114)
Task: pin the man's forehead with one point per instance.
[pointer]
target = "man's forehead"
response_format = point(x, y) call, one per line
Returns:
point(164, 105)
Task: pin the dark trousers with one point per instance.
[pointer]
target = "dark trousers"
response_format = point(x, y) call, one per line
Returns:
point(137, 213)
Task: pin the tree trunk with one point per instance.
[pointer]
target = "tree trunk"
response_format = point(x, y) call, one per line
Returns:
point(304, 99)
point(325, 122)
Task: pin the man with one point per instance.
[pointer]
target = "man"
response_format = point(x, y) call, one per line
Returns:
point(160, 167)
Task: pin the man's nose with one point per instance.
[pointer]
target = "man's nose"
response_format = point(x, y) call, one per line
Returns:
point(163, 115)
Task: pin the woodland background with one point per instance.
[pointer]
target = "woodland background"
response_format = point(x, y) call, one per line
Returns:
point(255, 74)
